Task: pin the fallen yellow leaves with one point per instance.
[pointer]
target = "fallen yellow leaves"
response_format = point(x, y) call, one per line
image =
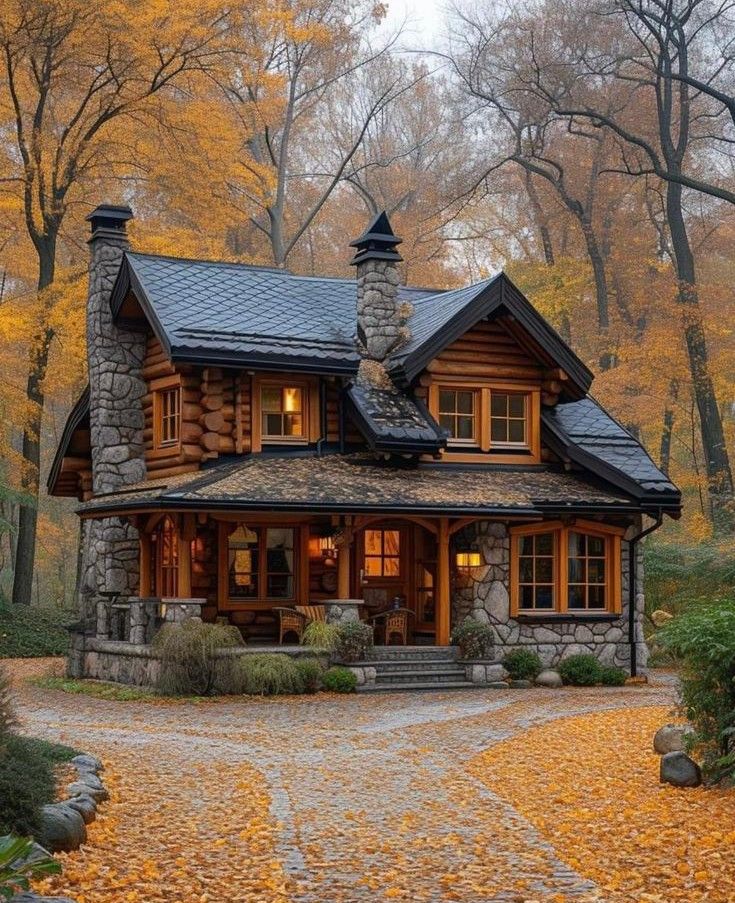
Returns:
point(176, 830)
point(590, 785)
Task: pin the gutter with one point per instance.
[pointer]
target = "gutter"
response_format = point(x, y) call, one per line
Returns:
point(632, 585)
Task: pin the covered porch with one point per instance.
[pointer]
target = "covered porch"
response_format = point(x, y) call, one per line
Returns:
point(270, 574)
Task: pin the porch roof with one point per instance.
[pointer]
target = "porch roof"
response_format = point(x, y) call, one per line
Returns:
point(358, 482)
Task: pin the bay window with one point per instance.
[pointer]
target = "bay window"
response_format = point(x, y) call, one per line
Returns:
point(561, 569)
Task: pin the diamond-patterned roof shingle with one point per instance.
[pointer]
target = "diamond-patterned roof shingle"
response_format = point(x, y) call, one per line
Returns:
point(589, 434)
point(391, 420)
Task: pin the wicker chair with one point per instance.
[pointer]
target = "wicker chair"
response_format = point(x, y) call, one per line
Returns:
point(295, 620)
point(395, 623)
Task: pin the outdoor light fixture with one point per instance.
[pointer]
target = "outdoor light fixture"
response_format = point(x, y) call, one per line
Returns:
point(326, 547)
point(466, 560)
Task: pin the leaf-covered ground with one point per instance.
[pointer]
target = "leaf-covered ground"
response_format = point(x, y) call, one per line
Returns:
point(480, 796)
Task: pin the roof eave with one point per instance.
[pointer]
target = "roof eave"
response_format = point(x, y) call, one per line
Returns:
point(76, 416)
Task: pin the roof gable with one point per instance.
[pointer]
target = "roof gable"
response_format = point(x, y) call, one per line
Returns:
point(439, 320)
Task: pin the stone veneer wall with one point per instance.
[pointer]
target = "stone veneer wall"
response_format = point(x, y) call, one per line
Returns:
point(484, 596)
point(115, 357)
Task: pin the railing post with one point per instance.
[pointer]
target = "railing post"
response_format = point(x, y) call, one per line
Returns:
point(442, 584)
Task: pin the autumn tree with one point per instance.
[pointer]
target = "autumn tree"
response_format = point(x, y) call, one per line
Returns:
point(73, 72)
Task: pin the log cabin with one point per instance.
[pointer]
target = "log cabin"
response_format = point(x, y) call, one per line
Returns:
point(254, 441)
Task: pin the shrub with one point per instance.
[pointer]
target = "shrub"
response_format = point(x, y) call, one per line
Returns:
point(321, 635)
point(31, 631)
point(703, 640)
point(581, 670)
point(612, 677)
point(188, 663)
point(17, 867)
point(473, 638)
point(267, 675)
point(311, 671)
point(7, 715)
point(354, 638)
point(339, 680)
point(26, 784)
point(522, 664)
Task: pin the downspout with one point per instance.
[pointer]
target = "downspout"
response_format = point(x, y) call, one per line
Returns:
point(322, 417)
point(632, 588)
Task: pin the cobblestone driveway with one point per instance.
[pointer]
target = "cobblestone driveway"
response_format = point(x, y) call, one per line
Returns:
point(369, 797)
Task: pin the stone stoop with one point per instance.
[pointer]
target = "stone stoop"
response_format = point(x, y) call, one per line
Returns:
point(411, 668)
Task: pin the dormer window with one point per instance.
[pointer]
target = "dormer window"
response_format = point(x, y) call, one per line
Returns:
point(167, 413)
point(488, 421)
point(283, 415)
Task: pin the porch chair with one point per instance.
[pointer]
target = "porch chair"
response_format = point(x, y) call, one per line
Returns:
point(396, 624)
point(295, 620)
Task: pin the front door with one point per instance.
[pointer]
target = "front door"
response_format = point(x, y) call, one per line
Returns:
point(382, 567)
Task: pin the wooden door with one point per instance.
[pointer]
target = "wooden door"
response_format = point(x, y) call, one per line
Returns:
point(383, 572)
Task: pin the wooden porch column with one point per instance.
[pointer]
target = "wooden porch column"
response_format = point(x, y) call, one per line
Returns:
point(343, 564)
point(442, 584)
point(186, 533)
point(145, 583)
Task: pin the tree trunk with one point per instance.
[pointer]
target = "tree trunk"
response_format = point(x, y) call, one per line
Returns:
point(31, 447)
point(542, 223)
point(717, 463)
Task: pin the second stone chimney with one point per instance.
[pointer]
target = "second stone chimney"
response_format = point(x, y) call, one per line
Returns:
point(381, 317)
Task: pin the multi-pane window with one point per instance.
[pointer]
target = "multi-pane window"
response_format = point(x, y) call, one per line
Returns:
point(568, 569)
point(167, 559)
point(382, 553)
point(458, 414)
point(536, 572)
point(168, 413)
point(260, 563)
point(508, 418)
point(282, 412)
point(587, 575)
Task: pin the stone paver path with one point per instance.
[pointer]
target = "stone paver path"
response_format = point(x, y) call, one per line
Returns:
point(370, 798)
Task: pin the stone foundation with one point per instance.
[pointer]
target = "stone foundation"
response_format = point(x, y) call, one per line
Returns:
point(483, 594)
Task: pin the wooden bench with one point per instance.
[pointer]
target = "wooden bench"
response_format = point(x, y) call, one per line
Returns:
point(296, 619)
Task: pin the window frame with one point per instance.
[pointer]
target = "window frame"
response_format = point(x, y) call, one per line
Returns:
point(309, 414)
point(613, 569)
point(476, 415)
point(159, 389)
point(383, 556)
point(482, 449)
point(260, 602)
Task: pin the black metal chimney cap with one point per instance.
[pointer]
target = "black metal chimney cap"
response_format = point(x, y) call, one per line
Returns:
point(110, 216)
point(378, 242)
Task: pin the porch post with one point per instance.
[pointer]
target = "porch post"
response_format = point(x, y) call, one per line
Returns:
point(145, 586)
point(442, 584)
point(185, 536)
point(343, 564)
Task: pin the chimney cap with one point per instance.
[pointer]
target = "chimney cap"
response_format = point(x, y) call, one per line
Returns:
point(378, 242)
point(110, 216)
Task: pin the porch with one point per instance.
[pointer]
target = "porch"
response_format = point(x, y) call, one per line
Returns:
point(269, 575)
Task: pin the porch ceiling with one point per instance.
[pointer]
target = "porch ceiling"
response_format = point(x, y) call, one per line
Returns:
point(359, 483)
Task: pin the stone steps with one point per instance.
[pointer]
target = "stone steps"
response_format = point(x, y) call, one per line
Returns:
point(413, 668)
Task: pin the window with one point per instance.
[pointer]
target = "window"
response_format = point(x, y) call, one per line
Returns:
point(457, 414)
point(282, 412)
point(260, 563)
point(167, 415)
point(166, 551)
point(500, 421)
point(383, 553)
point(508, 418)
point(572, 570)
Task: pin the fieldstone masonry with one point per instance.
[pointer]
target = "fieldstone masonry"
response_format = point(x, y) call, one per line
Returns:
point(483, 595)
point(115, 358)
point(381, 317)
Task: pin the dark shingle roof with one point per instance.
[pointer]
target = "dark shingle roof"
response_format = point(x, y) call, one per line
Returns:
point(233, 312)
point(357, 483)
point(589, 436)
point(393, 422)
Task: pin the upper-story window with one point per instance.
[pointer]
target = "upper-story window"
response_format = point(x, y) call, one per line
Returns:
point(167, 413)
point(502, 420)
point(282, 411)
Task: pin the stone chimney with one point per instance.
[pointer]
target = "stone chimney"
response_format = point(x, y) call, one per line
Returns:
point(115, 356)
point(381, 317)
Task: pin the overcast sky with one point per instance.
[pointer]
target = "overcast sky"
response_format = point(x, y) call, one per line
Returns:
point(425, 19)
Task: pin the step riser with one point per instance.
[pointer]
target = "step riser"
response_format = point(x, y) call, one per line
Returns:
point(444, 679)
point(401, 688)
point(424, 667)
point(414, 654)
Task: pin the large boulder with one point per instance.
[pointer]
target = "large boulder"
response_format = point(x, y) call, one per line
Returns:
point(85, 806)
point(85, 762)
point(549, 678)
point(681, 771)
point(62, 828)
point(671, 738)
point(79, 788)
